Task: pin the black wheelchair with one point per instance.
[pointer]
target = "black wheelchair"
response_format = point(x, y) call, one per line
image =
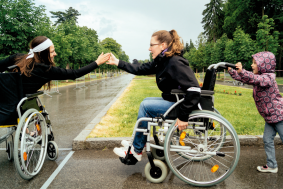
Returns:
point(204, 154)
point(25, 115)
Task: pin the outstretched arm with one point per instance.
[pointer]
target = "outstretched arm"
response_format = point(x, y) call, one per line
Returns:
point(136, 69)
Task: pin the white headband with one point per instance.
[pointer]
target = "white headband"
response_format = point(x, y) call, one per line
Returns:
point(41, 47)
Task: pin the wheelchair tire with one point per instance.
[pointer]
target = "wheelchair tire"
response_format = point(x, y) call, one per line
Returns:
point(10, 150)
point(204, 162)
point(157, 153)
point(30, 144)
point(52, 150)
point(159, 174)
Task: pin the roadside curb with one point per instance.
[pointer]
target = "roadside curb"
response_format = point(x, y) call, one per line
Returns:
point(103, 143)
point(80, 142)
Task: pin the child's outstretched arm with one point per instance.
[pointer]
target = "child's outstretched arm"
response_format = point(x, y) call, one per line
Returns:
point(249, 77)
point(262, 80)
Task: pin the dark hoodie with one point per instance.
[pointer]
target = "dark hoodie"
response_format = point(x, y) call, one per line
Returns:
point(266, 95)
point(171, 73)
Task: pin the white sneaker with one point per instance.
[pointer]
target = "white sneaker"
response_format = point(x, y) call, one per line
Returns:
point(267, 169)
point(121, 152)
point(126, 144)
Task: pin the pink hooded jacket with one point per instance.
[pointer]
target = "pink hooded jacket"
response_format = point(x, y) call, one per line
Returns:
point(266, 95)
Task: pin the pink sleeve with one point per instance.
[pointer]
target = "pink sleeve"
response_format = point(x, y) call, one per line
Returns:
point(254, 79)
point(234, 75)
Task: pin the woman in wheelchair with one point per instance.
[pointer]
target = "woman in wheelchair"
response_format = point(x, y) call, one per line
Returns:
point(172, 72)
point(21, 110)
point(38, 67)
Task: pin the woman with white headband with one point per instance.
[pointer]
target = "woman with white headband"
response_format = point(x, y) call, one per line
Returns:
point(38, 67)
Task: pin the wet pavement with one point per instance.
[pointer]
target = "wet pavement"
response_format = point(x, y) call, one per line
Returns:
point(71, 111)
point(102, 169)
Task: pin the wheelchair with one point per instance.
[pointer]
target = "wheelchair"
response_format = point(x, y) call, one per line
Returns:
point(203, 154)
point(24, 115)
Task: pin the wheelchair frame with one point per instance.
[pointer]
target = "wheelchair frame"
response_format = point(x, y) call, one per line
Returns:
point(209, 152)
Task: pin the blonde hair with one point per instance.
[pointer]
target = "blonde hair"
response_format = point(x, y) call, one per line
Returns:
point(172, 39)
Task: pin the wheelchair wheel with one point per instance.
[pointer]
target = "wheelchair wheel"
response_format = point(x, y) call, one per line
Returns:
point(52, 150)
point(157, 153)
point(30, 144)
point(201, 155)
point(157, 174)
point(10, 151)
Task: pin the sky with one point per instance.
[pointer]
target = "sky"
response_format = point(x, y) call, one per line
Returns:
point(131, 23)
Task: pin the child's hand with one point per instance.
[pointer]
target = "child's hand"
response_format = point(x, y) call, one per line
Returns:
point(239, 66)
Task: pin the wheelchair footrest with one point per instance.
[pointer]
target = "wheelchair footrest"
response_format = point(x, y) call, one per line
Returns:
point(131, 160)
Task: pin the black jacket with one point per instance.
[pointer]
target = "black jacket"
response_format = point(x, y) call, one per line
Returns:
point(171, 73)
point(41, 74)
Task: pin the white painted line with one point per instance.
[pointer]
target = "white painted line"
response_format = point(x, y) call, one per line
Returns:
point(55, 173)
point(60, 149)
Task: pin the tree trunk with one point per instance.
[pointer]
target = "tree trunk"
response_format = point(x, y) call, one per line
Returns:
point(67, 67)
point(262, 9)
point(279, 62)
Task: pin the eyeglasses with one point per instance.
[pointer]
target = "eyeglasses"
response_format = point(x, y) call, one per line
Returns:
point(154, 44)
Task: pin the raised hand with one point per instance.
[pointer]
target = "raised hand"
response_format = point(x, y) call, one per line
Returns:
point(113, 60)
point(239, 66)
point(102, 58)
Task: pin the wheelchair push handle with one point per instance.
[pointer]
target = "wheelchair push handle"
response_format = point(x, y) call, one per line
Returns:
point(231, 65)
point(10, 68)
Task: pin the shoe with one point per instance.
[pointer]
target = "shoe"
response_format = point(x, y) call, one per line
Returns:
point(121, 152)
point(267, 169)
point(126, 144)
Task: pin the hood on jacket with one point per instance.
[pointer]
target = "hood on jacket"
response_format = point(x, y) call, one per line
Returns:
point(265, 61)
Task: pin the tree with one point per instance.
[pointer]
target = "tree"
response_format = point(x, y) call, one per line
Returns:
point(19, 24)
point(213, 19)
point(240, 49)
point(266, 41)
point(68, 15)
point(188, 46)
point(112, 45)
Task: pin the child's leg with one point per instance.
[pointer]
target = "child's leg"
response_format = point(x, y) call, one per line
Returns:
point(150, 107)
point(268, 139)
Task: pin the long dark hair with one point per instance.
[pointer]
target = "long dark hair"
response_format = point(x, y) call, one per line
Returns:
point(27, 65)
point(172, 39)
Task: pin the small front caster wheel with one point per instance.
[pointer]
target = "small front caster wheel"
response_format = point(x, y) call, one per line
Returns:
point(10, 151)
point(157, 153)
point(52, 150)
point(157, 174)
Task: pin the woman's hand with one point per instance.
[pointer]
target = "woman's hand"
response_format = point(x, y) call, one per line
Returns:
point(102, 58)
point(113, 60)
point(239, 66)
point(181, 124)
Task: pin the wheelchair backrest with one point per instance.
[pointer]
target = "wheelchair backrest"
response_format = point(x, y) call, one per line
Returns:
point(209, 80)
point(11, 93)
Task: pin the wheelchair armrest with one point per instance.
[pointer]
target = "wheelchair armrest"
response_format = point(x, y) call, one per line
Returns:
point(207, 92)
point(177, 91)
point(203, 92)
point(34, 94)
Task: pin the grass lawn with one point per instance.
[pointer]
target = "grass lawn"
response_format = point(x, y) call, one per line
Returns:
point(119, 121)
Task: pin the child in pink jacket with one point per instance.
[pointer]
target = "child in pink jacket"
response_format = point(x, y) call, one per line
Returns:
point(268, 101)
